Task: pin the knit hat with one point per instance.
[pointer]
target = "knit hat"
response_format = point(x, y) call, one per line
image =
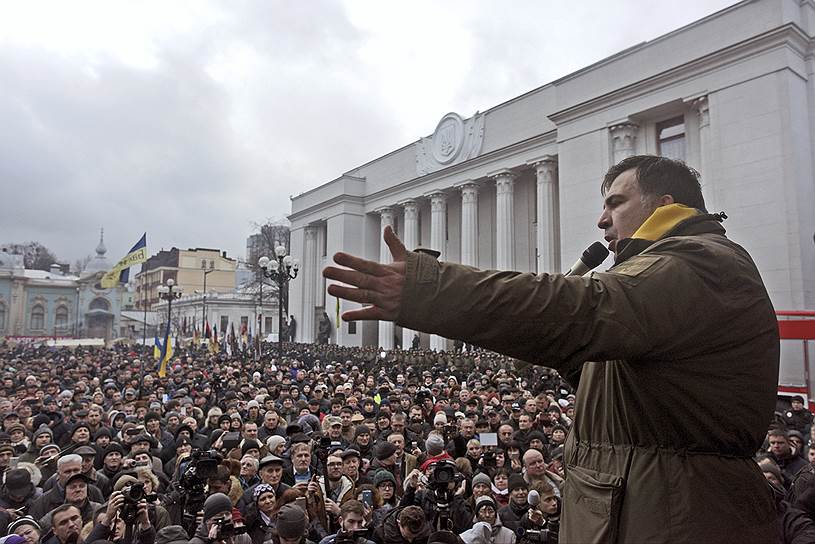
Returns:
point(385, 450)
point(20, 522)
point(215, 504)
point(172, 534)
point(383, 476)
point(113, 447)
point(360, 430)
point(249, 444)
point(41, 430)
point(13, 539)
point(214, 411)
point(482, 478)
point(274, 441)
point(434, 444)
point(484, 500)
point(291, 521)
point(440, 418)
point(260, 489)
point(19, 481)
point(516, 481)
point(79, 425)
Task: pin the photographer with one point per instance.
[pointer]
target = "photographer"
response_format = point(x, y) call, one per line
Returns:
point(351, 525)
point(115, 524)
point(438, 495)
point(327, 493)
point(217, 526)
point(404, 525)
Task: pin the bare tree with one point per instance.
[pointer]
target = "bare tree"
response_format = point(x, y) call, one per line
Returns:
point(35, 255)
point(80, 265)
point(263, 242)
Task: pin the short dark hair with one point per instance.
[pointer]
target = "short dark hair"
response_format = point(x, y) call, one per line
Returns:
point(779, 432)
point(63, 508)
point(659, 176)
point(352, 506)
point(412, 518)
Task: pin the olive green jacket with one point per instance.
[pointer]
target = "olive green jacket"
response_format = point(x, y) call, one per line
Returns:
point(666, 427)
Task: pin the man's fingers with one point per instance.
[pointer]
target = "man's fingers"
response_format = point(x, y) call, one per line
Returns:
point(363, 296)
point(395, 245)
point(368, 313)
point(348, 277)
point(363, 265)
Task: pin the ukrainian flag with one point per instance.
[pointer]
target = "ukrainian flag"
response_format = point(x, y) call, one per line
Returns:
point(163, 351)
point(120, 273)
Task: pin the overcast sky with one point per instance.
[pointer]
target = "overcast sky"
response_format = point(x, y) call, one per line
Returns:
point(193, 120)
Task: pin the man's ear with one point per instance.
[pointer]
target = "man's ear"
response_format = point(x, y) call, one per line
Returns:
point(664, 200)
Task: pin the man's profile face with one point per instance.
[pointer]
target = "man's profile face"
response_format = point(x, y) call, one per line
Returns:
point(624, 209)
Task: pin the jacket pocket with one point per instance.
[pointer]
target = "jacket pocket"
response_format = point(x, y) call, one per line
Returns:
point(592, 503)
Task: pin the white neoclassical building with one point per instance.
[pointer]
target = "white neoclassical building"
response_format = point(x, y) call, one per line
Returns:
point(518, 186)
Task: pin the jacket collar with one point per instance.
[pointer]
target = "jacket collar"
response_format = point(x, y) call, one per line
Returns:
point(665, 222)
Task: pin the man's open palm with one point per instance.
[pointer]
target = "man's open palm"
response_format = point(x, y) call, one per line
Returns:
point(377, 286)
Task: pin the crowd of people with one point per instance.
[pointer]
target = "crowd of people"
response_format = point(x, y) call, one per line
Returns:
point(322, 444)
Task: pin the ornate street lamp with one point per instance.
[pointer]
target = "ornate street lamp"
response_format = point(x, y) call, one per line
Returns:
point(280, 270)
point(169, 293)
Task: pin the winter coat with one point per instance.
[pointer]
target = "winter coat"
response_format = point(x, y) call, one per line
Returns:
point(483, 533)
point(677, 328)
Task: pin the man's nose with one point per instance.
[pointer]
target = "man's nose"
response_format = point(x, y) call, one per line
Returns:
point(604, 221)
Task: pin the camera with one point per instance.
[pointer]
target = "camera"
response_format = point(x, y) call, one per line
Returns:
point(350, 537)
point(488, 459)
point(225, 527)
point(132, 495)
point(549, 535)
point(442, 485)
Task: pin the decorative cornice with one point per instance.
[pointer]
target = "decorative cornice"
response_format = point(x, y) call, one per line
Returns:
point(546, 138)
point(789, 34)
point(325, 204)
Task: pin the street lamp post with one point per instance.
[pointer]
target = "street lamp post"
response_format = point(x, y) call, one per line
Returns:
point(169, 293)
point(280, 270)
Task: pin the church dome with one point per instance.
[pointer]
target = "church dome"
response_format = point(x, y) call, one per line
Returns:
point(100, 262)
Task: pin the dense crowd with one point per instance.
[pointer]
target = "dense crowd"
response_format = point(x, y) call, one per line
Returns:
point(325, 443)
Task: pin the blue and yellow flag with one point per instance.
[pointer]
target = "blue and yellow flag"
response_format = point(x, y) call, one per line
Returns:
point(163, 351)
point(121, 272)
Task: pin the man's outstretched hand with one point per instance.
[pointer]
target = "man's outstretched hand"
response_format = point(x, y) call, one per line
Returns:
point(377, 286)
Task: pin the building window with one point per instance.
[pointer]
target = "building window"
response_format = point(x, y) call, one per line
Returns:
point(352, 327)
point(38, 318)
point(212, 265)
point(671, 138)
point(61, 318)
point(244, 323)
point(268, 325)
point(203, 263)
point(224, 323)
point(2, 316)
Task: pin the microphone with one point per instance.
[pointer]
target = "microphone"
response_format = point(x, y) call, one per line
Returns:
point(533, 498)
point(591, 259)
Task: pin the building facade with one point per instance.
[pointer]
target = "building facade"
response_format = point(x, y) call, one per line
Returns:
point(190, 269)
point(518, 186)
point(37, 304)
point(238, 309)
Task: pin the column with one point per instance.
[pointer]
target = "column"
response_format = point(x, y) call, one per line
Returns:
point(548, 235)
point(306, 330)
point(438, 241)
point(410, 237)
point(701, 105)
point(469, 224)
point(623, 140)
point(504, 220)
point(385, 327)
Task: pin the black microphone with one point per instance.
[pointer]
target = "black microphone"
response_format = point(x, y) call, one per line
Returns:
point(592, 257)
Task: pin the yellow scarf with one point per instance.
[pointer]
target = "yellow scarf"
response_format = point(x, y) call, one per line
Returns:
point(663, 220)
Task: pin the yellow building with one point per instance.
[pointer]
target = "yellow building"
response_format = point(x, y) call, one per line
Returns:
point(197, 269)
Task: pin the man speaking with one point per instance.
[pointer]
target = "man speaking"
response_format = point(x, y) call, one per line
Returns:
point(658, 346)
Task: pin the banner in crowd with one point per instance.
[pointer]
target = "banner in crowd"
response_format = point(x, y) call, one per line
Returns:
point(121, 272)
